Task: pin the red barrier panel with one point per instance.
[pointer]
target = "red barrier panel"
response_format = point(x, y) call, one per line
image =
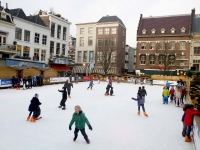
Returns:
point(87, 78)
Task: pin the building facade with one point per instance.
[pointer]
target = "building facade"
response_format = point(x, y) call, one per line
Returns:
point(72, 48)
point(130, 60)
point(163, 42)
point(195, 44)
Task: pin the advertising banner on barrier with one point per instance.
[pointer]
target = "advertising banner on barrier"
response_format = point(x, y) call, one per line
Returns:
point(87, 78)
point(59, 79)
point(5, 82)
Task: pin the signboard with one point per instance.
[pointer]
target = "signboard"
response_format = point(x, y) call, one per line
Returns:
point(87, 78)
point(60, 79)
point(5, 82)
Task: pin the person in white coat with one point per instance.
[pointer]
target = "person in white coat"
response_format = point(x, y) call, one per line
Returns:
point(178, 96)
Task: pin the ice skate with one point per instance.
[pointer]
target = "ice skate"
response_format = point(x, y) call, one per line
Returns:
point(32, 119)
point(145, 114)
point(90, 88)
point(63, 108)
point(188, 139)
point(28, 118)
point(59, 106)
point(138, 113)
point(87, 88)
point(74, 139)
point(69, 96)
point(106, 94)
point(88, 141)
point(183, 134)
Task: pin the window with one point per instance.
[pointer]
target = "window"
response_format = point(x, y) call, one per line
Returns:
point(171, 60)
point(122, 44)
point(90, 40)
point(107, 31)
point(37, 37)
point(26, 35)
point(113, 30)
point(81, 30)
point(44, 40)
point(2, 40)
point(123, 33)
point(81, 41)
point(99, 56)
point(91, 57)
point(63, 49)
point(161, 59)
point(196, 50)
point(182, 45)
point(51, 47)
point(153, 31)
point(143, 45)
point(162, 30)
point(172, 30)
point(152, 45)
point(43, 55)
point(26, 51)
point(90, 30)
point(58, 31)
point(113, 55)
point(113, 42)
point(162, 45)
point(100, 31)
point(18, 33)
point(182, 63)
point(143, 31)
point(52, 29)
point(196, 61)
point(100, 43)
point(106, 43)
point(152, 59)
point(85, 56)
point(58, 49)
point(142, 59)
point(182, 57)
point(172, 45)
point(183, 30)
point(64, 33)
point(36, 54)
point(79, 56)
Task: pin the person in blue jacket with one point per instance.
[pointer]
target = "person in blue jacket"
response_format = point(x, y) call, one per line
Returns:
point(90, 85)
point(168, 85)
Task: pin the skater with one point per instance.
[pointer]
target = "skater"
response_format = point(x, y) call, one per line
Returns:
point(13, 82)
point(172, 91)
point(68, 87)
point(185, 107)
point(183, 94)
point(139, 90)
point(110, 81)
point(111, 91)
point(140, 103)
point(18, 81)
point(108, 89)
point(34, 81)
point(188, 121)
point(178, 96)
point(90, 85)
point(165, 94)
point(24, 83)
point(32, 108)
point(143, 93)
point(168, 85)
point(142, 81)
point(80, 120)
point(70, 78)
point(98, 79)
point(64, 98)
point(118, 79)
point(151, 82)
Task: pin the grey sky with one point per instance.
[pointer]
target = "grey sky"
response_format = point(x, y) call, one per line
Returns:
point(80, 11)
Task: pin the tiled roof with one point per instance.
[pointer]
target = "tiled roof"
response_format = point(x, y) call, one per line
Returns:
point(18, 13)
point(196, 24)
point(36, 19)
point(111, 19)
point(166, 22)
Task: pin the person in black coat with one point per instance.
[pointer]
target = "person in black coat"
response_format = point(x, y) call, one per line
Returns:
point(108, 89)
point(33, 107)
point(64, 98)
point(13, 82)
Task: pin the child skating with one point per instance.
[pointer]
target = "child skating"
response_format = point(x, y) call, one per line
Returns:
point(90, 85)
point(68, 86)
point(111, 91)
point(165, 95)
point(172, 91)
point(33, 108)
point(80, 120)
point(140, 103)
point(64, 98)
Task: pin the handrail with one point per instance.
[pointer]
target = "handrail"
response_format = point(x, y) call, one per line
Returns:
point(7, 47)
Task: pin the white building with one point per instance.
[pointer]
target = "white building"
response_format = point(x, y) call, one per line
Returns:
point(85, 42)
point(130, 60)
point(32, 37)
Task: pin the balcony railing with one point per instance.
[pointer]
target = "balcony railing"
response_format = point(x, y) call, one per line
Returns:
point(7, 47)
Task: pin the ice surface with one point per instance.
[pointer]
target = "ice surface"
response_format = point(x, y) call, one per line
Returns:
point(116, 125)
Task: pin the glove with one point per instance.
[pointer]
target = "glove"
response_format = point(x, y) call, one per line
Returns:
point(70, 128)
point(90, 127)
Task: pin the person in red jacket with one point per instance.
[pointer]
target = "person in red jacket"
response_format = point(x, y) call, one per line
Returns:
point(171, 94)
point(188, 121)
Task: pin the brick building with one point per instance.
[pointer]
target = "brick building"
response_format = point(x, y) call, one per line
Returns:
point(161, 39)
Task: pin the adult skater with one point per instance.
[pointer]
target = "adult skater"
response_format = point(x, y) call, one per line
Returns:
point(68, 86)
point(178, 96)
point(64, 98)
point(165, 94)
point(24, 83)
point(18, 82)
point(90, 85)
point(33, 108)
point(35, 81)
point(80, 120)
point(108, 89)
point(140, 103)
point(13, 82)
point(139, 90)
point(151, 82)
point(143, 93)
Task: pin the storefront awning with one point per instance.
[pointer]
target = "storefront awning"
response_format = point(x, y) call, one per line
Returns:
point(60, 67)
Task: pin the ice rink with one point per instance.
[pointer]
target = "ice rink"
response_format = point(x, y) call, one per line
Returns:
point(116, 125)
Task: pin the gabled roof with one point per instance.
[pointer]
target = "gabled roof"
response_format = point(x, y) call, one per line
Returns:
point(166, 22)
point(111, 19)
point(18, 12)
point(36, 19)
point(196, 25)
point(8, 19)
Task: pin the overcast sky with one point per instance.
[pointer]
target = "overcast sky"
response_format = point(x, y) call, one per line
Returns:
point(81, 11)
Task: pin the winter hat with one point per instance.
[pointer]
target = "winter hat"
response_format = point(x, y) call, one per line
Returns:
point(36, 95)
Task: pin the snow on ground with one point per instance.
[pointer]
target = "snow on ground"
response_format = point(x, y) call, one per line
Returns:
point(116, 125)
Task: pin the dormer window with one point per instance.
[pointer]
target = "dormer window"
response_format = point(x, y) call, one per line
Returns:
point(153, 31)
point(183, 30)
point(3, 15)
point(162, 30)
point(144, 31)
point(172, 30)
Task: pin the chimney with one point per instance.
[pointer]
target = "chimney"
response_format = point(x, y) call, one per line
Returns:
point(6, 5)
point(193, 12)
